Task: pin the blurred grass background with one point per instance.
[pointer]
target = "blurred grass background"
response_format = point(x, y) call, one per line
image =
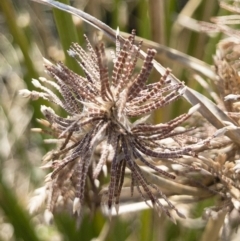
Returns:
point(30, 31)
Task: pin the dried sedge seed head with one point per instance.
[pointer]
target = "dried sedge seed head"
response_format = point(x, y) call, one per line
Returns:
point(98, 129)
point(222, 163)
point(227, 69)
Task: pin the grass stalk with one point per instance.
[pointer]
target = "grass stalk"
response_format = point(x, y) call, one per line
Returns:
point(67, 34)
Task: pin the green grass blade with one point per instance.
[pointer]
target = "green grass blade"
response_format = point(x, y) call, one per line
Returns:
point(67, 34)
point(18, 35)
point(23, 229)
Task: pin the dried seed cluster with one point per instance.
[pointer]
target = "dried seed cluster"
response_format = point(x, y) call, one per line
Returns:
point(227, 67)
point(225, 164)
point(99, 110)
